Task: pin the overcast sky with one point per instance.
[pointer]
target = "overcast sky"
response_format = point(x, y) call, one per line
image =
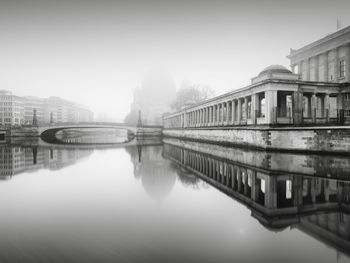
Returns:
point(97, 52)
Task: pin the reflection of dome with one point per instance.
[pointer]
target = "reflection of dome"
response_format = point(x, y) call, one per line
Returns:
point(274, 69)
point(274, 228)
point(156, 174)
point(158, 179)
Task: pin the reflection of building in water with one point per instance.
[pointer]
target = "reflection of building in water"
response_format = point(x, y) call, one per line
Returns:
point(320, 206)
point(12, 161)
point(15, 160)
point(156, 174)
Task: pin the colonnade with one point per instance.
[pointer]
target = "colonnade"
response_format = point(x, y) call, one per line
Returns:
point(268, 107)
point(233, 111)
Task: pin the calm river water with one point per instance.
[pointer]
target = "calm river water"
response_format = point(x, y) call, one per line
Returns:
point(172, 201)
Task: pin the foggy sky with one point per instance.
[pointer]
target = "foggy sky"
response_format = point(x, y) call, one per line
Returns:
point(97, 52)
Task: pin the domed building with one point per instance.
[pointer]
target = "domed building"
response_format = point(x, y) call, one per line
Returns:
point(275, 72)
point(316, 91)
point(153, 98)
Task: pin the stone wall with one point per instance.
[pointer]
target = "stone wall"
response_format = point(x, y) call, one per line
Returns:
point(336, 166)
point(320, 139)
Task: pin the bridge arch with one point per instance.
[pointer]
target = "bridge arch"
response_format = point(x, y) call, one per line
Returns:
point(48, 133)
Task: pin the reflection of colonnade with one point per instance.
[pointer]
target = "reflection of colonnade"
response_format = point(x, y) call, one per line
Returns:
point(276, 200)
point(272, 194)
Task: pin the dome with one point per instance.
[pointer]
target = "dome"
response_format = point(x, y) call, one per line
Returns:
point(275, 69)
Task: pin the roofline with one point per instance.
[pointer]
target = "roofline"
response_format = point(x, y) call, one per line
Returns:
point(336, 34)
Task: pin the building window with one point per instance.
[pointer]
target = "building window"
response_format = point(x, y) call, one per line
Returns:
point(346, 96)
point(342, 68)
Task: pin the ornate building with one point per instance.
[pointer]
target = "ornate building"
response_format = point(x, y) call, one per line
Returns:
point(152, 98)
point(316, 92)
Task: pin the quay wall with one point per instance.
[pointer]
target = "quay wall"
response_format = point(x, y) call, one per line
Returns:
point(270, 162)
point(313, 139)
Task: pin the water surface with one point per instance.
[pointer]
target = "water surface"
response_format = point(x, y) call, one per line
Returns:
point(172, 202)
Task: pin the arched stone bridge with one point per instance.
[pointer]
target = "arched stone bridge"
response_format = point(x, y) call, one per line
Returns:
point(49, 131)
point(70, 125)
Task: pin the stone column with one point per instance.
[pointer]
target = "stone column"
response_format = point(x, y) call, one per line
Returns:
point(271, 192)
point(213, 116)
point(339, 101)
point(239, 179)
point(206, 116)
point(326, 67)
point(270, 106)
point(307, 65)
point(298, 107)
point(316, 61)
point(202, 118)
point(239, 111)
point(227, 113)
point(347, 63)
point(194, 118)
point(221, 113)
point(336, 65)
point(300, 68)
point(210, 115)
point(217, 111)
point(254, 107)
point(313, 107)
point(197, 119)
point(223, 119)
point(246, 108)
point(326, 107)
point(233, 114)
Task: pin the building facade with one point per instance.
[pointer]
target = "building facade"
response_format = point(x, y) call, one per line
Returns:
point(316, 92)
point(15, 110)
point(60, 110)
point(32, 104)
point(11, 109)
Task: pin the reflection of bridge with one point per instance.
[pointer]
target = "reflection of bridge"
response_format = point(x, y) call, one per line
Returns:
point(317, 206)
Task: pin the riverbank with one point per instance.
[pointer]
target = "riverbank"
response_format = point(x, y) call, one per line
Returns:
point(326, 139)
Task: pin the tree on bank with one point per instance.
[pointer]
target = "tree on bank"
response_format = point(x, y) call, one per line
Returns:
point(190, 94)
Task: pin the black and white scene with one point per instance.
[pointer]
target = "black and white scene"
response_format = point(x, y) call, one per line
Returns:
point(146, 131)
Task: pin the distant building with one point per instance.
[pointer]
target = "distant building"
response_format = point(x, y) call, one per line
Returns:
point(65, 111)
point(11, 109)
point(15, 110)
point(153, 98)
point(31, 104)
